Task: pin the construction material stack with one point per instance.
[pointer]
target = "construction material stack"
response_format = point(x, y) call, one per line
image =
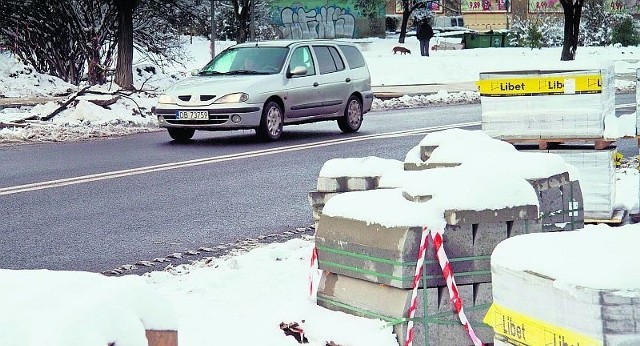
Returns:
point(555, 299)
point(368, 242)
point(567, 109)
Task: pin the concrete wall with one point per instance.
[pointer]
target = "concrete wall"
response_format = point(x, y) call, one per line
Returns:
point(328, 19)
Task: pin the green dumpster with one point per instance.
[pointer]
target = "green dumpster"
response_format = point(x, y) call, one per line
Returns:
point(476, 40)
point(485, 39)
point(497, 40)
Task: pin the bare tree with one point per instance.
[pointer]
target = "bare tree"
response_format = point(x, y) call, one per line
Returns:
point(572, 11)
point(234, 20)
point(60, 47)
point(241, 10)
point(83, 38)
point(409, 6)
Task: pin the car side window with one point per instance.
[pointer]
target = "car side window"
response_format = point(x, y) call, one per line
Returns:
point(337, 59)
point(301, 56)
point(329, 59)
point(353, 55)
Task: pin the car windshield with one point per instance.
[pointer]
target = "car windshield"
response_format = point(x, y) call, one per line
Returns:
point(247, 60)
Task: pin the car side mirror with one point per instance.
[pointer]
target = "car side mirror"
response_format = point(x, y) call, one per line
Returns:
point(195, 72)
point(297, 71)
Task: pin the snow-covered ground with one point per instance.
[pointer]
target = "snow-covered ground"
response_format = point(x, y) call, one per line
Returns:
point(242, 298)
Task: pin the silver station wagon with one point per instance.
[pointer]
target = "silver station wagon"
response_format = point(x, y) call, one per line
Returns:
point(266, 85)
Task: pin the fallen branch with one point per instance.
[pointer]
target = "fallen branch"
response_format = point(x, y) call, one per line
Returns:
point(105, 103)
point(102, 103)
point(11, 124)
point(63, 105)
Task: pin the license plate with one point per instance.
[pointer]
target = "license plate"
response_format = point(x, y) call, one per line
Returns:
point(192, 115)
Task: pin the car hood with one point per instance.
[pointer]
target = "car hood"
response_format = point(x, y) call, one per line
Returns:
point(217, 85)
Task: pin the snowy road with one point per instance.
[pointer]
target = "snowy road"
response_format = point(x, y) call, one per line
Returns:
point(98, 205)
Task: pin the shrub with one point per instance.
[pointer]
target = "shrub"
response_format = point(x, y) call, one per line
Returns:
point(596, 24)
point(536, 32)
point(391, 23)
point(624, 33)
point(534, 36)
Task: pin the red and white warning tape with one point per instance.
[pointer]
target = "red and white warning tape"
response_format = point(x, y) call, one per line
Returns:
point(414, 292)
point(454, 295)
point(447, 273)
point(312, 269)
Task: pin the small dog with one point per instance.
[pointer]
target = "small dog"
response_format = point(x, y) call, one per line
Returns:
point(435, 47)
point(402, 50)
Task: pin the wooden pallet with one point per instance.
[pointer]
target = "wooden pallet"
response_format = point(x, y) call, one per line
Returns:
point(544, 144)
point(616, 219)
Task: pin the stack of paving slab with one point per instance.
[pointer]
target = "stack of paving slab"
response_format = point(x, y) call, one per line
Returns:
point(566, 101)
point(638, 104)
point(560, 198)
point(598, 177)
point(370, 223)
point(364, 174)
point(567, 105)
point(549, 291)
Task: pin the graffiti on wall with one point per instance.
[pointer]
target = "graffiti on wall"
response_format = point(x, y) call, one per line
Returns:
point(322, 22)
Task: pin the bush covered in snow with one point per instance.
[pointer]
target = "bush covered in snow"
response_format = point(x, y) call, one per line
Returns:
point(598, 27)
point(625, 34)
point(537, 31)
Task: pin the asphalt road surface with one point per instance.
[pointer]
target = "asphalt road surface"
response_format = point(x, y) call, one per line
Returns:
point(116, 205)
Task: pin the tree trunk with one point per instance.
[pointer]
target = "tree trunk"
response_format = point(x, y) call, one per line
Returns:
point(403, 26)
point(242, 18)
point(406, 13)
point(124, 64)
point(572, 12)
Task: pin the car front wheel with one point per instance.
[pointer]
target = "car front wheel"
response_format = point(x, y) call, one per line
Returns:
point(271, 123)
point(352, 118)
point(181, 135)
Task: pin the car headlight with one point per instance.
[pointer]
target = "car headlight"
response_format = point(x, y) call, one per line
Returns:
point(232, 98)
point(164, 98)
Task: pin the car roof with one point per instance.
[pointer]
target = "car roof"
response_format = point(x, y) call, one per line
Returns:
point(288, 43)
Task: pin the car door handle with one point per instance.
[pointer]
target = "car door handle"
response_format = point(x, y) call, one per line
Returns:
point(348, 80)
point(315, 84)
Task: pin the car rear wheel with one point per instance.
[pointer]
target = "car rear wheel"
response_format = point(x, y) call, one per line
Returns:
point(181, 135)
point(271, 123)
point(352, 118)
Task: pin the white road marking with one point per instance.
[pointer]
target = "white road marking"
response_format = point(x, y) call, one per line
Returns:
point(626, 105)
point(205, 161)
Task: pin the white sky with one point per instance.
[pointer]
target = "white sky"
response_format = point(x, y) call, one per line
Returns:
point(242, 298)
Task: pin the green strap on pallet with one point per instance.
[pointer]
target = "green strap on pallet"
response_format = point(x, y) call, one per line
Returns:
point(391, 277)
point(425, 320)
point(438, 318)
point(395, 263)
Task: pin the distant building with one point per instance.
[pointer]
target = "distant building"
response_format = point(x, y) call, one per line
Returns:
point(497, 14)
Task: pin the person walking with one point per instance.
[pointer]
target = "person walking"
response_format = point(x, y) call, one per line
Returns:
point(424, 35)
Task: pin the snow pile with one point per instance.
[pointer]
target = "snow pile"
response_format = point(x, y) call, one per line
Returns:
point(441, 97)
point(21, 81)
point(57, 308)
point(254, 292)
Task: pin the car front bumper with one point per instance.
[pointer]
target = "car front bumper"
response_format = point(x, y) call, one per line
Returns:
point(224, 117)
